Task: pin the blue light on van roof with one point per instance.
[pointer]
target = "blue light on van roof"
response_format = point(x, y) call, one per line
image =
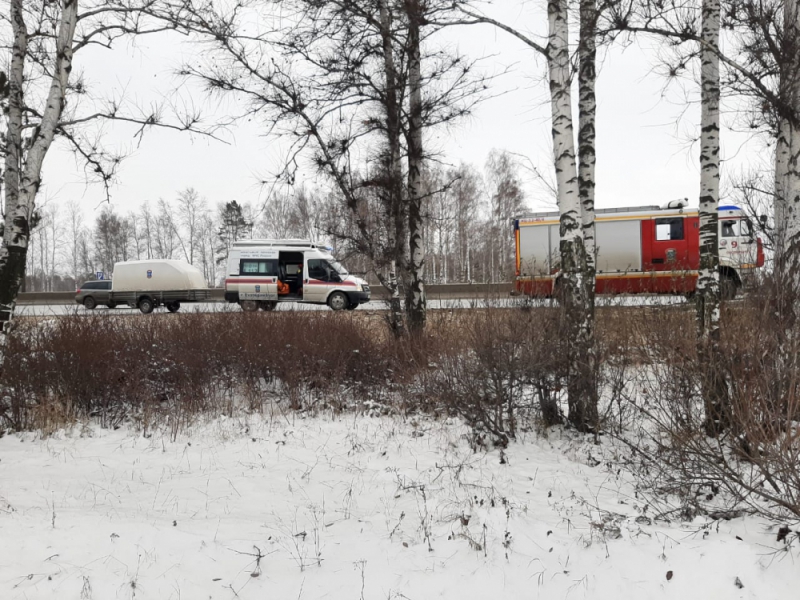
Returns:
point(729, 207)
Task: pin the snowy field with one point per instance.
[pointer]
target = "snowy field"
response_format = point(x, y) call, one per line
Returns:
point(356, 508)
point(49, 310)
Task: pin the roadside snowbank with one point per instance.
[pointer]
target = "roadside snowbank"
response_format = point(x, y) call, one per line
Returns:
point(357, 508)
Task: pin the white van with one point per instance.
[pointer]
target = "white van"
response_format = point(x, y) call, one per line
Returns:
point(261, 273)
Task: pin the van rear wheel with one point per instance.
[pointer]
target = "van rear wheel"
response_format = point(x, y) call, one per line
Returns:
point(338, 301)
point(248, 305)
point(268, 305)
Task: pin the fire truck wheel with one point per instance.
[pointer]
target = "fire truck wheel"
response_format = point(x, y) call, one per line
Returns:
point(249, 305)
point(728, 287)
point(267, 305)
point(558, 291)
point(338, 301)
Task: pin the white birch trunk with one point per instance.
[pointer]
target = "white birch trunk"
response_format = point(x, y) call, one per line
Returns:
point(587, 112)
point(578, 317)
point(708, 276)
point(784, 134)
point(396, 227)
point(563, 135)
point(23, 175)
point(418, 304)
point(714, 385)
point(791, 183)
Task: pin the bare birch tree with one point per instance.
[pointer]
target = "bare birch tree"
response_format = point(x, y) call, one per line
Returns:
point(576, 280)
point(42, 37)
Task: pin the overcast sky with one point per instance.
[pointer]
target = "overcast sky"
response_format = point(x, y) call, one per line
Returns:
point(644, 156)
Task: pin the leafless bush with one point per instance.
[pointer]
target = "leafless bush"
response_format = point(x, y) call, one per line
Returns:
point(503, 372)
point(172, 368)
point(752, 464)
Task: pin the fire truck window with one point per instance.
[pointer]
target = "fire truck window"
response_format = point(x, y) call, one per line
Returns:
point(669, 229)
point(747, 228)
point(730, 228)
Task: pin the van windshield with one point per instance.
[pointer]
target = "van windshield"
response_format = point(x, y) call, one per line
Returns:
point(338, 267)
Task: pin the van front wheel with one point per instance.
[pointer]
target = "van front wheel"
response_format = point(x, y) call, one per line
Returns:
point(338, 301)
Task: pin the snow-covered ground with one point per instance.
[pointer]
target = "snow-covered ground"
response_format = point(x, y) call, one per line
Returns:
point(352, 508)
point(49, 310)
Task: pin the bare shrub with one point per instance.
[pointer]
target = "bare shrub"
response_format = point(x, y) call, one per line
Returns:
point(752, 464)
point(502, 371)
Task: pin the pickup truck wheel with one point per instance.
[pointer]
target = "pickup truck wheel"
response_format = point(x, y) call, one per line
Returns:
point(173, 306)
point(267, 305)
point(248, 305)
point(338, 301)
point(89, 303)
point(146, 305)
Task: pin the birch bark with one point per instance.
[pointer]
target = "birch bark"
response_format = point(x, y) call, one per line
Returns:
point(578, 318)
point(24, 168)
point(791, 187)
point(708, 279)
point(587, 112)
point(396, 227)
point(417, 302)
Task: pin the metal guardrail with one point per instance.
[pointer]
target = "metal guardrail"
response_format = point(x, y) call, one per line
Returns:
point(442, 291)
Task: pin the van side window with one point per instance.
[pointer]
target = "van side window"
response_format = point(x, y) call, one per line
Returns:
point(252, 266)
point(668, 229)
point(318, 269)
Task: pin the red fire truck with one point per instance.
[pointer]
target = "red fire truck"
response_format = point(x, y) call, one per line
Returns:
point(642, 249)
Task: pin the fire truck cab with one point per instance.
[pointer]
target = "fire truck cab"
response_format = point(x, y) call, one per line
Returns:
point(642, 249)
point(262, 273)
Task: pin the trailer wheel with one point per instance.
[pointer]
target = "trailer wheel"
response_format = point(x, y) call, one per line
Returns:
point(174, 306)
point(89, 303)
point(248, 305)
point(146, 305)
point(267, 305)
point(338, 301)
